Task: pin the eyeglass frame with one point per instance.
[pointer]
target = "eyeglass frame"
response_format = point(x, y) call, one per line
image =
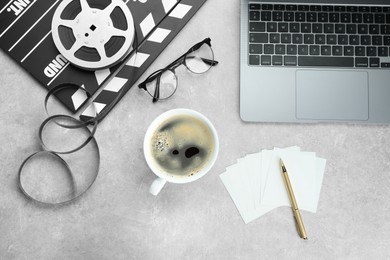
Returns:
point(172, 66)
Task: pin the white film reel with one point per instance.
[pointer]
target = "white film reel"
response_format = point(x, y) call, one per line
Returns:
point(93, 34)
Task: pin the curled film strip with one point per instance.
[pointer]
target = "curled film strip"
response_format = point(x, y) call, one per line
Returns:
point(103, 21)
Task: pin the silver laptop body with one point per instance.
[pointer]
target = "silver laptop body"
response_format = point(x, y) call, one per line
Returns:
point(285, 92)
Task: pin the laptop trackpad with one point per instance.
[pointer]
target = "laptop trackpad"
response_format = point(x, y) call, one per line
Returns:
point(332, 95)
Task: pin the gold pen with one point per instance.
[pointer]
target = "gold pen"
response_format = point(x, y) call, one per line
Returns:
point(294, 205)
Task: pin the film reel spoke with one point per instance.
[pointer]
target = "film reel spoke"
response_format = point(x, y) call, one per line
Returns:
point(110, 8)
point(75, 47)
point(84, 6)
point(118, 32)
point(67, 23)
point(101, 51)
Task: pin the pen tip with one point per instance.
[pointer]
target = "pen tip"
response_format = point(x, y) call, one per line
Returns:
point(281, 163)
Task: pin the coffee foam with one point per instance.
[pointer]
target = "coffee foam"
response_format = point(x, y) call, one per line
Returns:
point(181, 146)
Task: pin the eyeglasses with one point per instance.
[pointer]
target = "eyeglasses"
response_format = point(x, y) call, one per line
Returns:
point(162, 84)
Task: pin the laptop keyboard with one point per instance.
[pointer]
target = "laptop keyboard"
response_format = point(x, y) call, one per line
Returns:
point(319, 35)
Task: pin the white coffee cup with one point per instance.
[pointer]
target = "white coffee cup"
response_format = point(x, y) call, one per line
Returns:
point(162, 176)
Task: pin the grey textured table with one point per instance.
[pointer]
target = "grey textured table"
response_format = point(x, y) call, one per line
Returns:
point(118, 219)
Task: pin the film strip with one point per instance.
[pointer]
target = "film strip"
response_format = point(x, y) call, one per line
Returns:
point(153, 45)
point(25, 34)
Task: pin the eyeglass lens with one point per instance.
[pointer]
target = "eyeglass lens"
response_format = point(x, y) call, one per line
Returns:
point(200, 60)
point(167, 85)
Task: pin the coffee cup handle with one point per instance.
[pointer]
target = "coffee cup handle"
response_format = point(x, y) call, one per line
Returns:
point(156, 186)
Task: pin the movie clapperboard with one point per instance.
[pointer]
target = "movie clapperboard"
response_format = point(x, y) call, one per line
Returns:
point(25, 34)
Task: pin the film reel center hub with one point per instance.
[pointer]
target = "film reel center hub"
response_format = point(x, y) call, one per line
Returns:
point(93, 34)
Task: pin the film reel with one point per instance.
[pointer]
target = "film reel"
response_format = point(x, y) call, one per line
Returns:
point(93, 34)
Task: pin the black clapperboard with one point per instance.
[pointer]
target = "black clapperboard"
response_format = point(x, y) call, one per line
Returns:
point(25, 34)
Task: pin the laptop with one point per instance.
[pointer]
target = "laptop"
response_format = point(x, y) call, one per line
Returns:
point(315, 61)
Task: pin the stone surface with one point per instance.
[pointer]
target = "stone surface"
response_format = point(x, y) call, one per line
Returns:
point(118, 219)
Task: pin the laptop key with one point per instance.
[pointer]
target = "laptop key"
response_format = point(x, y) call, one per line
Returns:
point(257, 26)
point(258, 37)
point(254, 15)
point(379, 18)
point(288, 16)
point(351, 28)
point(362, 29)
point(365, 40)
point(317, 28)
point(311, 17)
point(291, 7)
point(290, 60)
point(308, 38)
point(361, 62)
point(265, 60)
point(269, 49)
point(349, 50)
point(274, 38)
point(334, 17)
point(373, 29)
point(255, 48)
point(354, 40)
point(339, 28)
point(277, 16)
point(297, 38)
point(345, 17)
point(266, 16)
point(357, 18)
point(277, 60)
point(320, 38)
point(386, 40)
point(360, 51)
point(285, 38)
point(303, 50)
point(337, 50)
point(331, 39)
point(371, 51)
point(368, 18)
point(300, 17)
point(282, 27)
point(272, 27)
point(314, 50)
point(294, 27)
point(385, 29)
point(326, 50)
point(279, 7)
point(376, 40)
point(385, 65)
point(325, 61)
point(374, 62)
point(342, 39)
point(254, 60)
point(323, 17)
point(291, 49)
point(306, 28)
point(254, 6)
point(280, 49)
point(329, 28)
point(383, 51)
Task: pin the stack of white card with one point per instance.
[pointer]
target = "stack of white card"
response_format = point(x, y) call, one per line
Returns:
point(256, 185)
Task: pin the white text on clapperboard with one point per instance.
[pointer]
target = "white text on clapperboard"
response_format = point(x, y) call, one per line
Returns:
point(18, 6)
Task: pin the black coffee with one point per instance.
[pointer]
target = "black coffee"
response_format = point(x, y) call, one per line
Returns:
point(182, 145)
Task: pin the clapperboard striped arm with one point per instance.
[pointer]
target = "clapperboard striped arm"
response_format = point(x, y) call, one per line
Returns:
point(25, 34)
point(156, 42)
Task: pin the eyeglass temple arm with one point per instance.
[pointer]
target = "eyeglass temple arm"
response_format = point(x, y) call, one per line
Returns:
point(156, 94)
